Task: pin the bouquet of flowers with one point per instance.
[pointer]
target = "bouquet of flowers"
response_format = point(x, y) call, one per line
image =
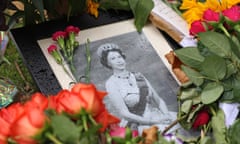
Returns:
point(72, 116)
point(209, 100)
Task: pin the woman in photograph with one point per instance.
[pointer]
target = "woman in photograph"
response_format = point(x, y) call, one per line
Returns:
point(130, 96)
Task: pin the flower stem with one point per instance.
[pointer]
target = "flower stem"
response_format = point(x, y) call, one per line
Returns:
point(224, 30)
point(84, 119)
point(67, 72)
point(212, 111)
point(87, 71)
point(173, 124)
point(53, 138)
point(91, 119)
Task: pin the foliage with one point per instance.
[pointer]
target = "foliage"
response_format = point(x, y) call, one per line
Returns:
point(140, 8)
point(16, 71)
point(213, 69)
point(36, 11)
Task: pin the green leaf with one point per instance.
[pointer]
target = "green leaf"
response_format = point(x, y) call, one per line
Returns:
point(40, 7)
point(133, 5)
point(214, 67)
point(219, 128)
point(236, 94)
point(187, 93)
point(65, 129)
point(116, 4)
point(227, 96)
point(216, 42)
point(190, 56)
point(211, 92)
point(206, 140)
point(233, 132)
point(193, 112)
point(231, 69)
point(142, 11)
point(193, 75)
point(186, 106)
point(235, 45)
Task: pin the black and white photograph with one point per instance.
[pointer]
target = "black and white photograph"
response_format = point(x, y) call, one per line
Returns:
point(141, 90)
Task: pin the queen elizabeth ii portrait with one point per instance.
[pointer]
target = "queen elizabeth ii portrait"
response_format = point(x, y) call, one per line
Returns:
point(130, 94)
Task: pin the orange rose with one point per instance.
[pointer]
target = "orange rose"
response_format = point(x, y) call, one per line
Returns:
point(93, 97)
point(4, 131)
point(12, 112)
point(106, 119)
point(38, 100)
point(68, 102)
point(30, 123)
point(7, 116)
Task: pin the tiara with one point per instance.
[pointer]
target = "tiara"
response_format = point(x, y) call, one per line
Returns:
point(105, 47)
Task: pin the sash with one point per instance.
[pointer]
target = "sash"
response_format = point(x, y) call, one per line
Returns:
point(139, 108)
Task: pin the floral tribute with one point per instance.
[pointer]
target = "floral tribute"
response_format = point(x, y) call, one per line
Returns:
point(71, 116)
point(209, 99)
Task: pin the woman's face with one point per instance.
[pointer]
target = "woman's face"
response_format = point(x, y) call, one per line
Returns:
point(115, 60)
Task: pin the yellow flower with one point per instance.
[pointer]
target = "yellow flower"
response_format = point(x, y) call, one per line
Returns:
point(92, 8)
point(188, 4)
point(232, 2)
point(192, 15)
point(194, 9)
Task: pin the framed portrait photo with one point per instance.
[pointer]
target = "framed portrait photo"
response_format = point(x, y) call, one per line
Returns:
point(130, 66)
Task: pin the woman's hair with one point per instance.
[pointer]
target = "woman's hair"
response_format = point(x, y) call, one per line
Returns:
point(104, 50)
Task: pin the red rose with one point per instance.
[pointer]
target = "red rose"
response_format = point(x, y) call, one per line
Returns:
point(202, 118)
point(30, 123)
point(232, 14)
point(68, 102)
point(211, 16)
point(197, 27)
point(93, 97)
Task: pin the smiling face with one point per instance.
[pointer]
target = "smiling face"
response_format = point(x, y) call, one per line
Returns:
point(116, 61)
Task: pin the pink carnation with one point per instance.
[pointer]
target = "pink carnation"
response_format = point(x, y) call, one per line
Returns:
point(73, 29)
point(211, 16)
point(51, 48)
point(232, 13)
point(58, 34)
point(197, 27)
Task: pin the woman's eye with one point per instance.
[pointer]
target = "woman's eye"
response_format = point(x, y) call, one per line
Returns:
point(113, 58)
